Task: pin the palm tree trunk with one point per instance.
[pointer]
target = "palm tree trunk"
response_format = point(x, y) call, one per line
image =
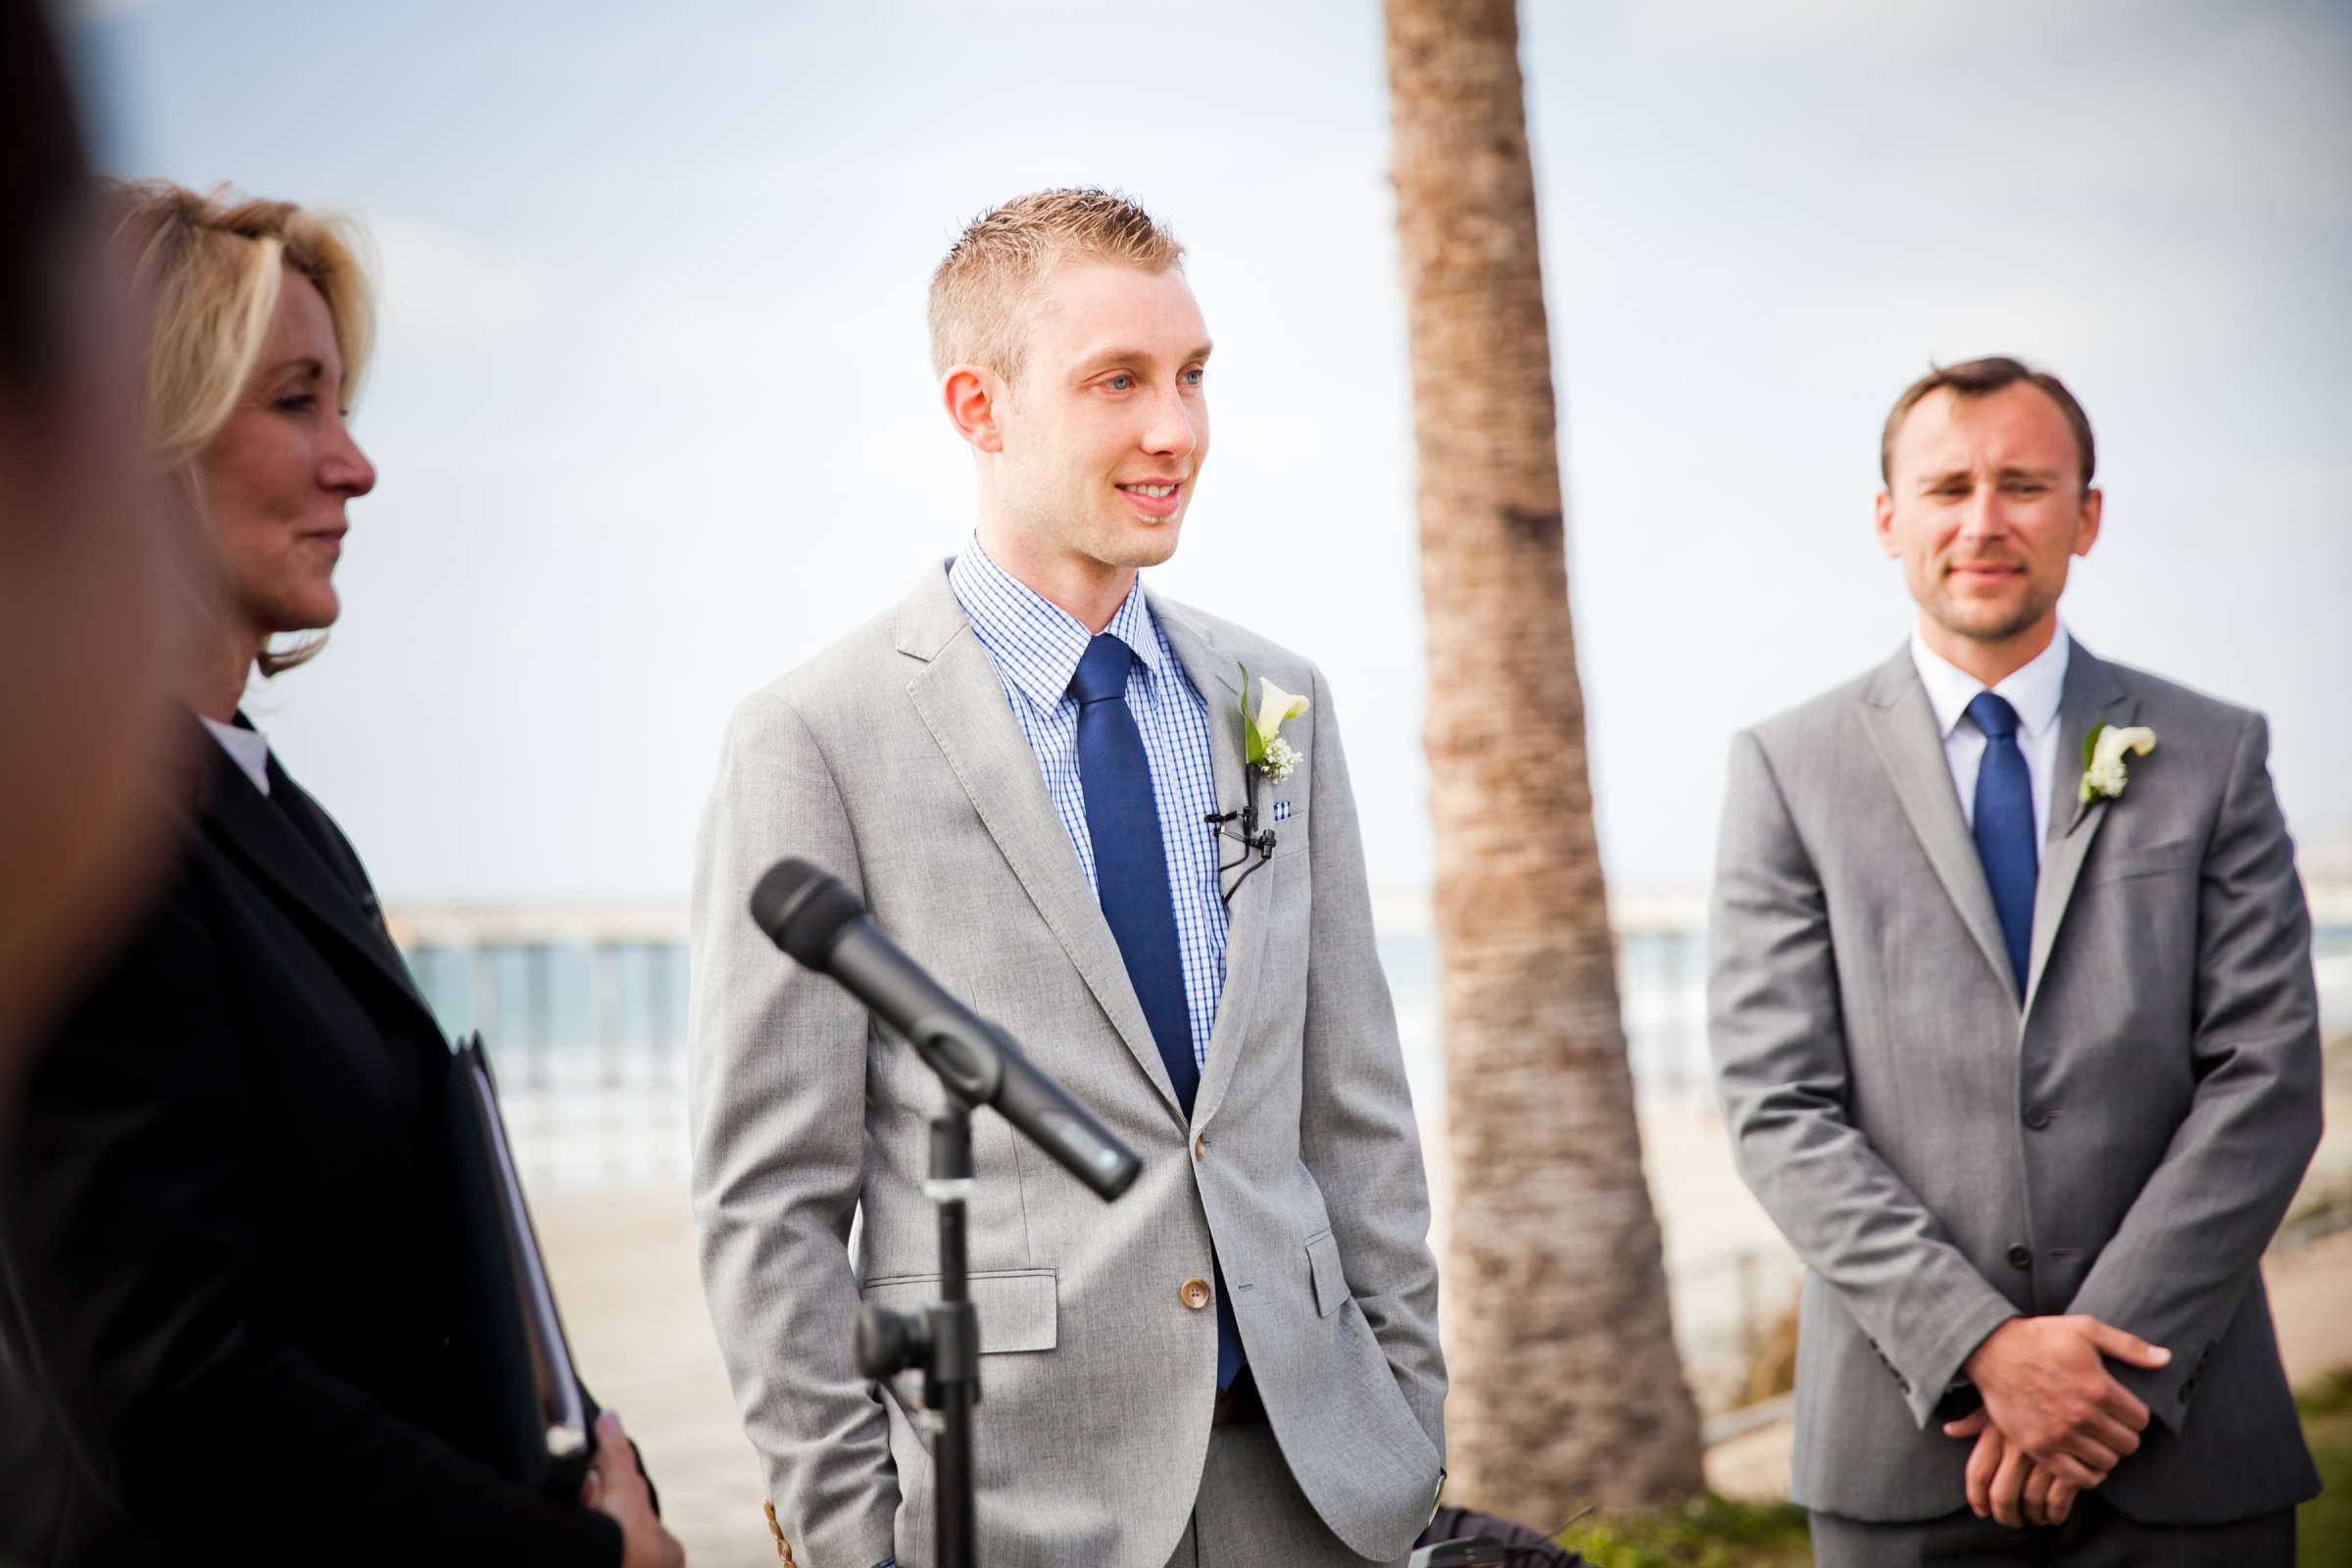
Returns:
point(1567, 1388)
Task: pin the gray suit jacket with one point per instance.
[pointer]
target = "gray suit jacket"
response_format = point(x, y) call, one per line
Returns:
point(2122, 1141)
point(893, 760)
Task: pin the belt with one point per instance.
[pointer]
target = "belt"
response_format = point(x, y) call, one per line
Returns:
point(1236, 1402)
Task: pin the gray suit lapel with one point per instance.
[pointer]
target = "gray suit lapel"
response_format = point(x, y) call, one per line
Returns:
point(2091, 695)
point(962, 703)
point(1217, 676)
point(1903, 727)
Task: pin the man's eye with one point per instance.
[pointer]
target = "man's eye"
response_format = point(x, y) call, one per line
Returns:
point(298, 401)
point(1120, 383)
point(1196, 375)
point(2026, 489)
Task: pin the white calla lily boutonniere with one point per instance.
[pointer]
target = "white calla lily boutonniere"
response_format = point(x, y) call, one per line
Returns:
point(1263, 745)
point(2103, 752)
point(1264, 755)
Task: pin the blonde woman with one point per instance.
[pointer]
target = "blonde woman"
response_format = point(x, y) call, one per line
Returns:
point(230, 1306)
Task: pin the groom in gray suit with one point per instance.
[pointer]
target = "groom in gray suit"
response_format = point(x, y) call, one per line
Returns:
point(1038, 777)
point(2014, 1023)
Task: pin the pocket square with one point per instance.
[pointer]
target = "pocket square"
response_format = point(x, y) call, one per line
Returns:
point(1282, 810)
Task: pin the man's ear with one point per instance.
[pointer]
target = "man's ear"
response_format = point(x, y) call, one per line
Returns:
point(1883, 510)
point(975, 398)
point(2087, 525)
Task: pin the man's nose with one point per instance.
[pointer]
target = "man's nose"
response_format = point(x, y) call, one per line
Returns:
point(1171, 432)
point(1983, 515)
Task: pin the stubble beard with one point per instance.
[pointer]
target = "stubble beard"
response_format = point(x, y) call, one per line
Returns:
point(1963, 619)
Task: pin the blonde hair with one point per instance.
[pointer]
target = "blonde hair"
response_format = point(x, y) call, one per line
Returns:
point(206, 270)
point(982, 294)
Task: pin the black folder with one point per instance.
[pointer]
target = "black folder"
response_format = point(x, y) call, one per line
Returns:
point(532, 1421)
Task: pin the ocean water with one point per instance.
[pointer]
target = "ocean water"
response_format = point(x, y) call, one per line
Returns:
point(571, 1021)
point(589, 1042)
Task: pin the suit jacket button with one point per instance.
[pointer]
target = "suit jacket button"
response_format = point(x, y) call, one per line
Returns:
point(1201, 1147)
point(2036, 1117)
point(1194, 1293)
point(2021, 1254)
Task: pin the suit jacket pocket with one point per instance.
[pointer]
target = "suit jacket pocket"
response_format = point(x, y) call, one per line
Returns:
point(1018, 1307)
point(2121, 865)
point(1289, 828)
point(1331, 1281)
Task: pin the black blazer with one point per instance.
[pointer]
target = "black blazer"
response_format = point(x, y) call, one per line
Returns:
point(228, 1314)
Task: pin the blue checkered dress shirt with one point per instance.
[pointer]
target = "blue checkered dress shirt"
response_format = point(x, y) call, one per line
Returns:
point(1036, 646)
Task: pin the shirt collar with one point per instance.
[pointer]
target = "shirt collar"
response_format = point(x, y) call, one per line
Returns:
point(246, 746)
point(1036, 642)
point(2033, 690)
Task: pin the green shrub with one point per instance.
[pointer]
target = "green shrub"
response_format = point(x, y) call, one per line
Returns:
point(1711, 1533)
point(2324, 1525)
point(2330, 1396)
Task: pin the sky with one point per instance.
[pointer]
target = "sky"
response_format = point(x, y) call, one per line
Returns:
point(655, 421)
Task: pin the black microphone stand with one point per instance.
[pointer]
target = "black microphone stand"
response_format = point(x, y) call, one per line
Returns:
point(944, 1342)
point(822, 925)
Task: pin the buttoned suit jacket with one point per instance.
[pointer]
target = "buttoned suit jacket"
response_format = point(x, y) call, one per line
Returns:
point(894, 762)
point(2121, 1141)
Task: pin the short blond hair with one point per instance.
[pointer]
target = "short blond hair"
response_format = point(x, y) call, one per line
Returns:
point(206, 270)
point(983, 293)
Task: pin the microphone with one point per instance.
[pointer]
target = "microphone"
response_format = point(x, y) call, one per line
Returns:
point(824, 927)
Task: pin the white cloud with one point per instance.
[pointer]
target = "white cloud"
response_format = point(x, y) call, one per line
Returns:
point(441, 287)
point(1816, 30)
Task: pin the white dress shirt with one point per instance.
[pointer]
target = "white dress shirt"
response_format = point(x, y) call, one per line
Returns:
point(249, 748)
point(2033, 691)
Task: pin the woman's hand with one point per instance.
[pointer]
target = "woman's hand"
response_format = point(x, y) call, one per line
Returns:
point(616, 1489)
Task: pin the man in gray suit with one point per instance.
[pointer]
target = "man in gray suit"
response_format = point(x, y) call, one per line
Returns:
point(2015, 1028)
point(1038, 778)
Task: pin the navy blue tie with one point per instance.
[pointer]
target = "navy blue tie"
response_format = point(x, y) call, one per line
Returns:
point(1131, 863)
point(2004, 824)
point(1131, 880)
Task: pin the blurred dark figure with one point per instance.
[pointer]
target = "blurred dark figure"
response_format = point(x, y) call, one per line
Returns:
point(226, 1233)
point(86, 613)
point(1519, 1547)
